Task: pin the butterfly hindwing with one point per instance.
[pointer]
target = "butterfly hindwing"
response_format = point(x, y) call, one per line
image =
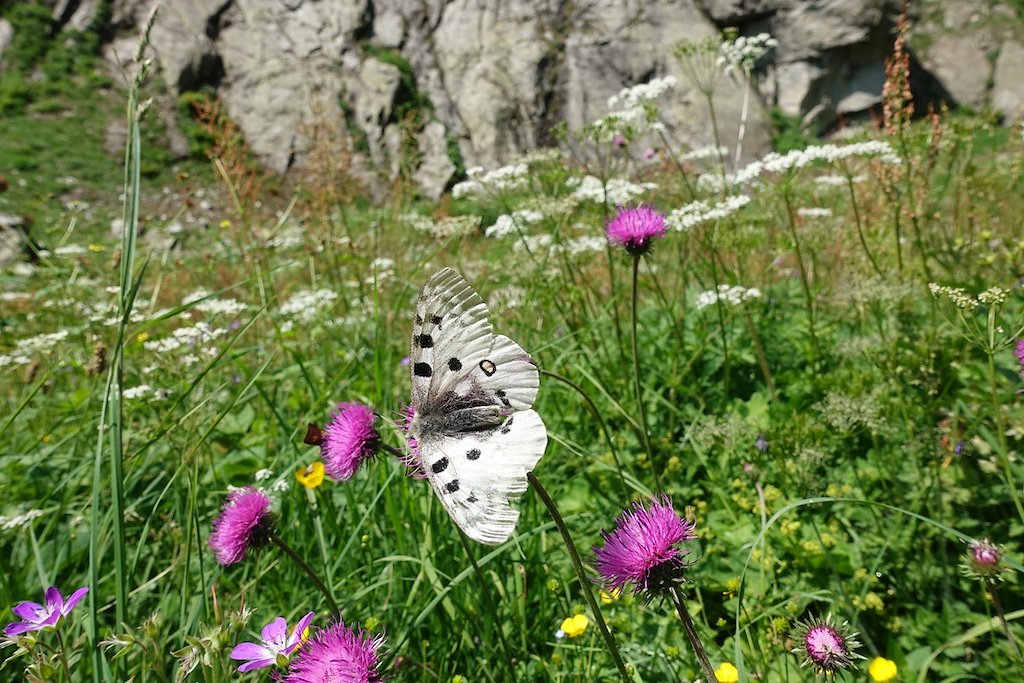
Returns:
point(476, 474)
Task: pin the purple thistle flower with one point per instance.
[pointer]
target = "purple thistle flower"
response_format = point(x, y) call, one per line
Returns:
point(275, 643)
point(619, 140)
point(984, 561)
point(642, 549)
point(827, 647)
point(634, 228)
point(337, 654)
point(347, 441)
point(1020, 354)
point(35, 617)
point(244, 523)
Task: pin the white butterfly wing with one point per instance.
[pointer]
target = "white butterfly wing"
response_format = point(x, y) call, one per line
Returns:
point(450, 335)
point(477, 474)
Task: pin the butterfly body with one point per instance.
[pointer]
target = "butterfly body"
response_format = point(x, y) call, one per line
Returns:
point(475, 433)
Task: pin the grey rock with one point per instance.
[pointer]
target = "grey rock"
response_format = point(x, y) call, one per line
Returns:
point(436, 170)
point(373, 98)
point(15, 241)
point(1008, 82)
point(952, 56)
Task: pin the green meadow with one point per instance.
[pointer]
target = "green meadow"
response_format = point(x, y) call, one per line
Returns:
point(817, 361)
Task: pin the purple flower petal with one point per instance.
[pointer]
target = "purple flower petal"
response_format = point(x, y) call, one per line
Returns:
point(275, 634)
point(19, 627)
point(296, 638)
point(250, 651)
point(75, 598)
point(53, 598)
point(27, 611)
point(257, 664)
point(51, 620)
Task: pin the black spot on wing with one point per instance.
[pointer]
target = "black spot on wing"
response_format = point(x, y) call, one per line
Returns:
point(422, 370)
point(500, 393)
point(436, 320)
point(452, 486)
point(472, 499)
point(425, 341)
point(440, 466)
point(472, 454)
point(488, 367)
point(419, 320)
point(454, 364)
point(507, 427)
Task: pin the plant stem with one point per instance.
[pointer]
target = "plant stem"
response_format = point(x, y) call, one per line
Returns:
point(67, 667)
point(691, 634)
point(645, 434)
point(301, 564)
point(577, 564)
point(860, 229)
point(804, 280)
point(762, 359)
point(1002, 620)
point(1004, 457)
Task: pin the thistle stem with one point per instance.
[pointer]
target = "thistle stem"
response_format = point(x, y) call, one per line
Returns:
point(577, 564)
point(645, 435)
point(301, 564)
point(1002, 620)
point(691, 634)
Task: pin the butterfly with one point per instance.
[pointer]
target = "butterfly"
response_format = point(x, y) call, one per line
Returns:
point(473, 431)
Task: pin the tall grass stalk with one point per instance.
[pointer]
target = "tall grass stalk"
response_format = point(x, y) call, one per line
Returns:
point(645, 434)
point(805, 281)
point(111, 418)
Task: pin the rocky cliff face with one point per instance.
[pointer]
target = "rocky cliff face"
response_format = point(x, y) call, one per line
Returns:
point(490, 78)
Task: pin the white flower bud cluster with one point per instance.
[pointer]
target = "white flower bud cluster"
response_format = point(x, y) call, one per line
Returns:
point(960, 298)
point(695, 213)
point(744, 51)
point(620, 191)
point(496, 181)
point(798, 158)
point(730, 295)
point(506, 225)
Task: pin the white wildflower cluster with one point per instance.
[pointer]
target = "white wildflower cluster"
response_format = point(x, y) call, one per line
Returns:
point(814, 212)
point(16, 521)
point(742, 52)
point(541, 155)
point(631, 111)
point(695, 213)
point(584, 244)
point(263, 474)
point(443, 228)
point(836, 180)
point(702, 153)
point(551, 206)
point(289, 237)
point(213, 306)
point(798, 158)
point(70, 250)
point(960, 298)
point(40, 343)
point(14, 296)
point(993, 296)
point(638, 95)
point(847, 413)
point(506, 224)
point(730, 295)
point(305, 305)
point(493, 182)
point(619, 190)
point(140, 391)
point(187, 337)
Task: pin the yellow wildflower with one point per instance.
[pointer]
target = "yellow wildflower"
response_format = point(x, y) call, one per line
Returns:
point(141, 337)
point(608, 597)
point(96, 247)
point(727, 673)
point(225, 223)
point(881, 670)
point(311, 475)
point(575, 626)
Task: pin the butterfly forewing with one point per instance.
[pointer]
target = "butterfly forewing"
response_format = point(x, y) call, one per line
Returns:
point(472, 394)
point(450, 335)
